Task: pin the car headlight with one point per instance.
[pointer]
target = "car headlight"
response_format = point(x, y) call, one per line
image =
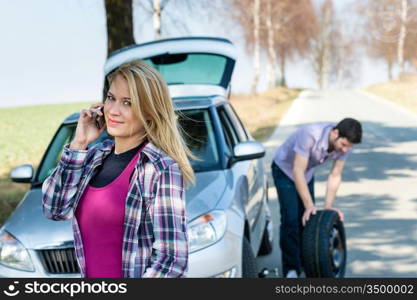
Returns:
point(13, 254)
point(206, 230)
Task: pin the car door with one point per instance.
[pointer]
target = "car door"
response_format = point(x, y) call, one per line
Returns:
point(234, 134)
point(255, 171)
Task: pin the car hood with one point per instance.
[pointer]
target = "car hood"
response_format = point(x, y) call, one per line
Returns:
point(204, 196)
point(29, 225)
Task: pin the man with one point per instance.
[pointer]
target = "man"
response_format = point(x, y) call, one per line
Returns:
point(293, 172)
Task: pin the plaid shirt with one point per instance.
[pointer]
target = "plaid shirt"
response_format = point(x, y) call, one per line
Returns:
point(155, 242)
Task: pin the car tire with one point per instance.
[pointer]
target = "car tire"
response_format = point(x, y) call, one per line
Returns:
point(249, 267)
point(324, 246)
point(267, 242)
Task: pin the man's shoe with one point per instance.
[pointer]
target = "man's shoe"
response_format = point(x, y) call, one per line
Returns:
point(292, 274)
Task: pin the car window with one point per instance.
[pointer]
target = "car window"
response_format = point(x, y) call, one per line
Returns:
point(227, 127)
point(198, 131)
point(64, 136)
point(191, 68)
point(237, 124)
point(196, 126)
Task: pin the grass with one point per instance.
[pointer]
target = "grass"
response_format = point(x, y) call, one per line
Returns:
point(24, 136)
point(402, 91)
point(25, 133)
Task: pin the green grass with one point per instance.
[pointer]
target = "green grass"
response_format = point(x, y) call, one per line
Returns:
point(25, 133)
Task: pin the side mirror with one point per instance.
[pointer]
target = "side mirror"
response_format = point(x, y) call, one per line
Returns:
point(248, 150)
point(22, 174)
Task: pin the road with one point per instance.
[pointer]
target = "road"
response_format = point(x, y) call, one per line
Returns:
point(379, 191)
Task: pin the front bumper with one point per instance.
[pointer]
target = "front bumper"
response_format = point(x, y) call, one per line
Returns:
point(222, 259)
point(38, 273)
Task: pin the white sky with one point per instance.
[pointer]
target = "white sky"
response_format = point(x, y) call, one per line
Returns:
point(53, 51)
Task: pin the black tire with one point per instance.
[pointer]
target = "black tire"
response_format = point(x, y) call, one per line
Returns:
point(266, 243)
point(308, 247)
point(249, 267)
point(324, 246)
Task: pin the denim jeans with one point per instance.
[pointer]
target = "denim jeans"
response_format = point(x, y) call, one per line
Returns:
point(292, 210)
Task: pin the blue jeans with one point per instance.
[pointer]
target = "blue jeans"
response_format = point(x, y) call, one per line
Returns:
point(292, 210)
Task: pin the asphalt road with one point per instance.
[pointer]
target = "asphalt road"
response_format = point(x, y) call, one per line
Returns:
point(379, 191)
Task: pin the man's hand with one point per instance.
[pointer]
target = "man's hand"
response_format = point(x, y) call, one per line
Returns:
point(341, 215)
point(311, 210)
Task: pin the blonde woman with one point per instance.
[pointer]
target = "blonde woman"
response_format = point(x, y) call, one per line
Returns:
point(126, 197)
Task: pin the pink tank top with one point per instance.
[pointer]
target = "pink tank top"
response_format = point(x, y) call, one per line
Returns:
point(100, 215)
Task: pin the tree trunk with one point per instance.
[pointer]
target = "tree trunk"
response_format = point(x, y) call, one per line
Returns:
point(402, 36)
point(272, 58)
point(282, 62)
point(389, 63)
point(157, 19)
point(256, 54)
point(119, 24)
point(326, 46)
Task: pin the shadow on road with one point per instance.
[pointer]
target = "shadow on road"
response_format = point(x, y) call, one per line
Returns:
point(378, 247)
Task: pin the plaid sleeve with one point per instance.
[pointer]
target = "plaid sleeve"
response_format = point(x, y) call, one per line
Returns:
point(170, 248)
point(59, 189)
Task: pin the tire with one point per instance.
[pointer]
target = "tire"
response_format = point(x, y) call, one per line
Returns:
point(249, 267)
point(324, 246)
point(267, 242)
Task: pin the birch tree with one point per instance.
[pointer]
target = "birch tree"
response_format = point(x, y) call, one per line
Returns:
point(321, 43)
point(291, 23)
point(392, 29)
point(247, 13)
point(159, 10)
point(272, 57)
point(256, 54)
point(402, 35)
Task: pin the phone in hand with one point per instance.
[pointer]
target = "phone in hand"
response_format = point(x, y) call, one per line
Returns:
point(99, 121)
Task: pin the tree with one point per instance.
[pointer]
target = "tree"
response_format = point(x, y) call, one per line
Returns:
point(119, 24)
point(286, 33)
point(392, 31)
point(247, 13)
point(344, 58)
point(256, 56)
point(158, 8)
point(321, 45)
point(403, 34)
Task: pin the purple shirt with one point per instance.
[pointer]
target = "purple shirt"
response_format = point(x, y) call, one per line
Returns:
point(311, 141)
point(100, 214)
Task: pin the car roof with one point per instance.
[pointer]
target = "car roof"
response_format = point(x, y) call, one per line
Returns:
point(180, 103)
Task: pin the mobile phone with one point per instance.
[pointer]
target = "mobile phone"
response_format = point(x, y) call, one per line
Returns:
point(100, 119)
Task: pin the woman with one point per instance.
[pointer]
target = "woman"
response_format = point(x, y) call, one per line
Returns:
point(126, 197)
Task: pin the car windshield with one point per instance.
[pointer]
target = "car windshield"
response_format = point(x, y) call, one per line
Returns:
point(197, 129)
point(191, 68)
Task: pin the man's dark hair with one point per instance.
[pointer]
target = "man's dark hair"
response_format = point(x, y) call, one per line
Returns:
point(351, 129)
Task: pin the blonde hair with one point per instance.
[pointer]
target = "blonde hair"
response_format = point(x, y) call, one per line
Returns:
point(153, 106)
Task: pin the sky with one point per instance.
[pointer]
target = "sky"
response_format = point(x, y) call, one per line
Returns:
point(53, 51)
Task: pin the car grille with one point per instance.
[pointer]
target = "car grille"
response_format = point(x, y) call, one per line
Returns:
point(59, 261)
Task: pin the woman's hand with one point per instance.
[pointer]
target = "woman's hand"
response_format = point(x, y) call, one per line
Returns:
point(86, 131)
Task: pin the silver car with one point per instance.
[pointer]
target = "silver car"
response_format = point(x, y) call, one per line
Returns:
point(229, 220)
